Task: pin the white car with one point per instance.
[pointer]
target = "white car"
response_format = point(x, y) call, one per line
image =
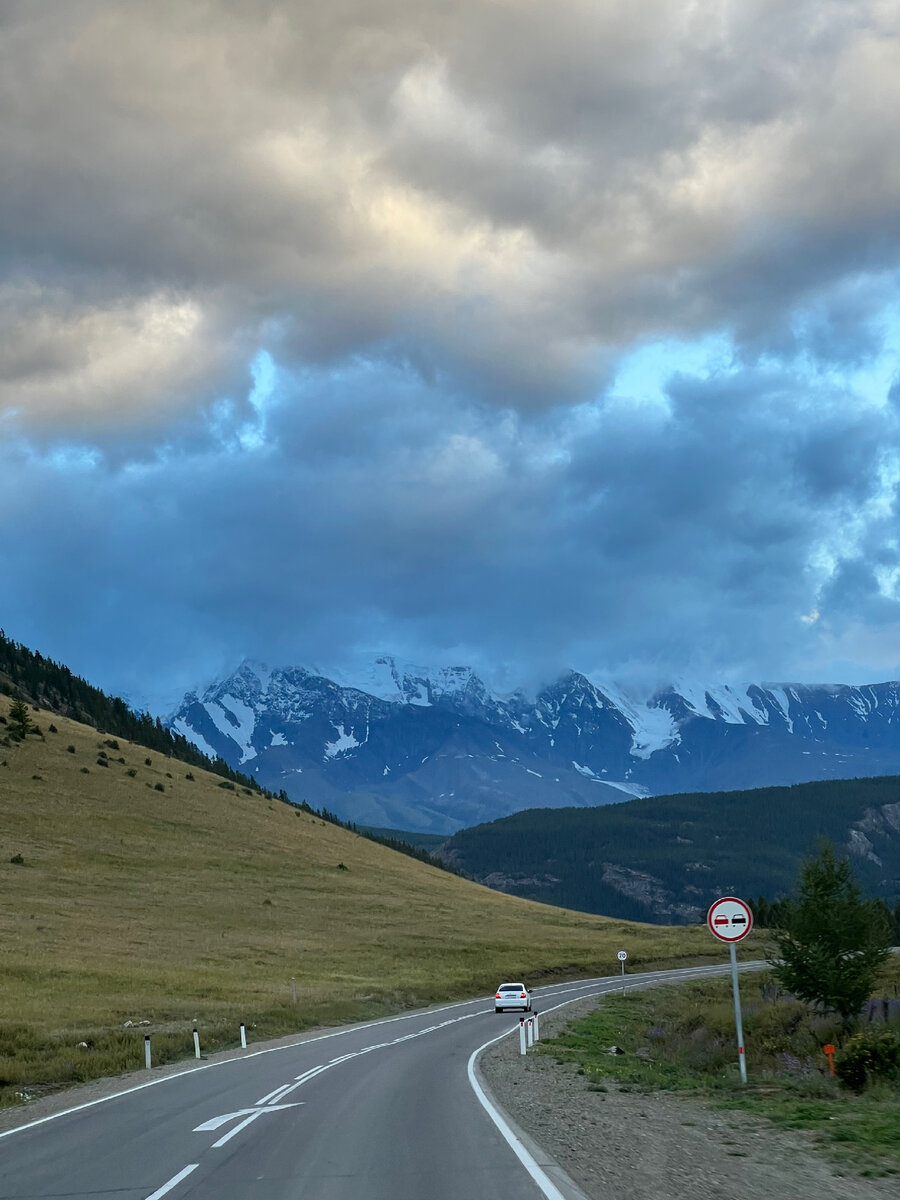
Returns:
point(512, 995)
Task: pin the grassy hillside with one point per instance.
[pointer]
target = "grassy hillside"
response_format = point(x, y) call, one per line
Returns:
point(154, 890)
point(30, 676)
point(669, 857)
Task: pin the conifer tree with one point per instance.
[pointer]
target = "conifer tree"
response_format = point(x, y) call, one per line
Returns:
point(831, 941)
point(19, 718)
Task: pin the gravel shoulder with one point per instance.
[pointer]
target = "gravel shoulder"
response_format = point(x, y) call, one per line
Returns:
point(619, 1145)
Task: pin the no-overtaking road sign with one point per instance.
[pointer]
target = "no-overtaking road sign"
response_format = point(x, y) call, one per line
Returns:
point(729, 919)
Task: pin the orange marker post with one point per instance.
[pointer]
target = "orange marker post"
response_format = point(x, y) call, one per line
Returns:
point(828, 1051)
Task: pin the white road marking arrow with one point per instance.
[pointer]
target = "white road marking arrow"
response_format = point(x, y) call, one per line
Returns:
point(249, 1115)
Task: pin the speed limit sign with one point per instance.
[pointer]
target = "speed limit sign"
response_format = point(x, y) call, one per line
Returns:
point(622, 955)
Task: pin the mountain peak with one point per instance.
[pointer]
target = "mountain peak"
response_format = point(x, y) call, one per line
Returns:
point(393, 743)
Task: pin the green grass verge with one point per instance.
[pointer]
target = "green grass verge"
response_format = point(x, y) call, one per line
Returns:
point(682, 1039)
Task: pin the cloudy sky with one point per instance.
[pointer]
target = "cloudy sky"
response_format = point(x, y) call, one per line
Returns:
point(522, 333)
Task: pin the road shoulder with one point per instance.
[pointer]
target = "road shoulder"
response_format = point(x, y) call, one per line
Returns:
point(622, 1145)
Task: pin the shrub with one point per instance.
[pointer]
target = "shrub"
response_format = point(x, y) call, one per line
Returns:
point(18, 860)
point(112, 743)
point(71, 749)
point(159, 787)
point(52, 729)
point(227, 785)
point(190, 777)
point(148, 762)
point(867, 1057)
point(101, 762)
point(85, 771)
point(131, 771)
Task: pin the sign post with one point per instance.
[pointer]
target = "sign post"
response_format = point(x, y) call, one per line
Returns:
point(730, 920)
point(622, 955)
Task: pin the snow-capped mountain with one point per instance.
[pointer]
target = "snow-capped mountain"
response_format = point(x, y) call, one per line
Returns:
point(435, 749)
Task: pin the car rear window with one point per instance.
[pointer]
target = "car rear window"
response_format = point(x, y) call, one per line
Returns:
point(513, 987)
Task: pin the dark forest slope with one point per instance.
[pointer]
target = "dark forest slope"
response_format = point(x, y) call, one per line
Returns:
point(666, 858)
point(29, 675)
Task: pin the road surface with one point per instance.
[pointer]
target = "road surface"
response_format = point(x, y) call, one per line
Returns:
point(389, 1110)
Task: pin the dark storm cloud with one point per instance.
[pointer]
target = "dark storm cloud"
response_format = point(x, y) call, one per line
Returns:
point(374, 510)
point(449, 226)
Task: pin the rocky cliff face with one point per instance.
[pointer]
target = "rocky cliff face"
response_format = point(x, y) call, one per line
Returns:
point(436, 750)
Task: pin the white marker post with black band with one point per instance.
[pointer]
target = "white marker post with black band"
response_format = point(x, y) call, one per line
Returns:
point(730, 920)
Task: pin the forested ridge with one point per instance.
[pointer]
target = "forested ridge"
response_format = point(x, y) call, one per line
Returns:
point(685, 848)
point(28, 675)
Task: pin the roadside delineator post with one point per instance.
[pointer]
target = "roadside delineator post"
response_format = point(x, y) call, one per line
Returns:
point(530, 1026)
point(196, 1042)
point(293, 991)
point(147, 1051)
point(243, 1036)
point(537, 1027)
point(522, 1049)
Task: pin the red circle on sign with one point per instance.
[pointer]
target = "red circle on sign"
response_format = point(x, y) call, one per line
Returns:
point(729, 919)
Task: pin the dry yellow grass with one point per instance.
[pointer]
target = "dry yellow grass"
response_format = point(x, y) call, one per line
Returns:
point(197, 901)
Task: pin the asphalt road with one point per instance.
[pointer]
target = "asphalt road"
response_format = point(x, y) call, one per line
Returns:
point(390, 1110)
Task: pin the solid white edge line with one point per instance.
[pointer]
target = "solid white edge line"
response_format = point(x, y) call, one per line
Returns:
point(176, 1179)
point(302, 1041)
point(547, 1186)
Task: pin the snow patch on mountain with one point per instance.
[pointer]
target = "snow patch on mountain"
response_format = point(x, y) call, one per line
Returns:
point(387, 678)
point(434, 748)
point(630, 789)
point(182, 727)
point(236, 720)
point(653, 726)
point(723, 703)
point(343, 741)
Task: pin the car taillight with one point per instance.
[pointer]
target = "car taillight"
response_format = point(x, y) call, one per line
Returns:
point(523, 996)
point(498, 997)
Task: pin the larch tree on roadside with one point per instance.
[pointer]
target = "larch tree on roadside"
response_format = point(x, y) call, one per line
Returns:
point(832, 940)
